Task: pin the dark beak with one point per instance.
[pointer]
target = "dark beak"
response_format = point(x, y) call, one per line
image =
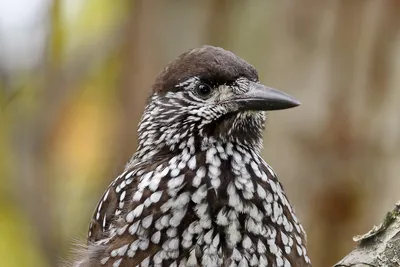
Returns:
point(260, 97)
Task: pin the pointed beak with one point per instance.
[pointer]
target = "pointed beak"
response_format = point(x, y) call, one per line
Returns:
point(261, 97)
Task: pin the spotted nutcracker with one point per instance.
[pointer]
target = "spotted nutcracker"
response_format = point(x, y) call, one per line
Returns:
point(197, 192)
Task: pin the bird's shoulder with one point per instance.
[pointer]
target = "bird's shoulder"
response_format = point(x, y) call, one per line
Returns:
point(117, 197)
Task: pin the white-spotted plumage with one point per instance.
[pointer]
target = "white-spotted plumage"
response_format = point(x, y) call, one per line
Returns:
point(197, 192)
point(272, 212)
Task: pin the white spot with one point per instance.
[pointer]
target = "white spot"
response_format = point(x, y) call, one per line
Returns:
point(144, 244)
point(182, 164)
point(176, 182)
point(165, 219)
point(263, 261)
point(122, 196)
point(299, 250)
point(261, 191)
point(216, 240)
point(214, 171)
point(173, 160)
point(271, 171)
point(273, 186)
point(122, 250)
point(234, 199)
point(117, 189)
point(122, 230)
point(216, 182)
point(298, 239)
point(201, 172)
point(145, 262)
point(175, 172)
point(106, 195)
point(270, 197)
point(201, 209)
point(307, 259)
point(228, 149)
point(192, 162)
point(135, 213)
point(304, 250)
point(261, 247)
point(297, 228)
point(100, 205)
point(199, 194)
point(210, 155)
point(155, 197)
point(146, 222)
point(174, 243)
point(246, 243)
point(233, 234)
point(155, 238)
point(177, 217)
point(279, 261)
point(222, 219)
point(158, 258)
point(192, 260)
point(254, 261)
point(133, 228)
point(137, 196)
point(104, 260)
point(171, 232)
point(290, 241)
point(129, 174)
point(237, 157)
point(236, 255)
point(284, 238)
point(272, 246)
point(147, 202)
point(104, 220)
point(164, 172)
point(208, 236)
point(117, 263)
point(182, 200)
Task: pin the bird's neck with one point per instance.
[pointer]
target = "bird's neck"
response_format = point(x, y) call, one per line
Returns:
point(150, 150)
point(160, 136)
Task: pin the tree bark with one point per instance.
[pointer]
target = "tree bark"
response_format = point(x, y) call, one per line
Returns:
point(379, 247)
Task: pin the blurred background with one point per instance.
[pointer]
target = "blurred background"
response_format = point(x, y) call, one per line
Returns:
point(74, 76)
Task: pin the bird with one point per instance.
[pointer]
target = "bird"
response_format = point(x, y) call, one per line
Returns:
point(197, 192)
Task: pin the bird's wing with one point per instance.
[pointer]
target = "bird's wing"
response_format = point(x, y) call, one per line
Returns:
point(280, 215)
point(134, 220)
point(111, 205)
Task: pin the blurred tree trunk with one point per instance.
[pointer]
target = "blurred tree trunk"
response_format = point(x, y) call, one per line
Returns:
point(140, 56)
point(30, 137)
point(345, 167)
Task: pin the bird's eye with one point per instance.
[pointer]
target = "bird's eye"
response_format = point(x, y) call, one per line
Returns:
point(203, 90)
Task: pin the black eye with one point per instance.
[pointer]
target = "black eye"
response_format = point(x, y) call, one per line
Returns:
point(203, 90)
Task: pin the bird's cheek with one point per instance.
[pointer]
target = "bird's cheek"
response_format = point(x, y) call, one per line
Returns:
point(224, 93)
point(230, 107)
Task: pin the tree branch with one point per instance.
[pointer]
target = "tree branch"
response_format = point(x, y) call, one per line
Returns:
point(379, 247)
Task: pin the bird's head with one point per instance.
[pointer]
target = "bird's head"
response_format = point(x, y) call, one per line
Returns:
point(207, 94)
